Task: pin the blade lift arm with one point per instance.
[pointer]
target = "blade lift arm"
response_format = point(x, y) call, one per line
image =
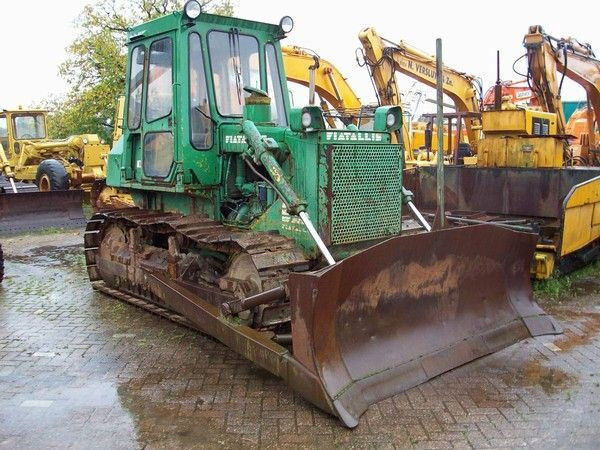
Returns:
point(259, 149)
point(5, 168)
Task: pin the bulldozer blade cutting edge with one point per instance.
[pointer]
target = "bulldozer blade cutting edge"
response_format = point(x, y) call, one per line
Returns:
point(29, 211)
point(410, 308)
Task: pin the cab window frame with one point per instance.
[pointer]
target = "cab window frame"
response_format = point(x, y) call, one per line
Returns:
point(273, 74)
point(17, 136)
point(207, 80)
point(153, 134)
point(147, 80)
point(140, 105)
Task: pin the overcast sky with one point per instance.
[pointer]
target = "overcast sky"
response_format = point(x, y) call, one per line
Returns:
point(471, 31)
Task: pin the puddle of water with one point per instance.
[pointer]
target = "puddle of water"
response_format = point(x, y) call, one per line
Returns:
point(551, 380)
point(166, 418)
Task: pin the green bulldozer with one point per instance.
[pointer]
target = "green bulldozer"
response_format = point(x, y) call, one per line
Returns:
point(254, 223)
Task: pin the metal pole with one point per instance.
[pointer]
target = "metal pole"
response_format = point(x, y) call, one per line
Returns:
point(439, 74)
point(498, 86)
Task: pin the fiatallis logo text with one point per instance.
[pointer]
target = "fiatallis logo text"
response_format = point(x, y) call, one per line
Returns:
point(236, 139)
point(353, 136)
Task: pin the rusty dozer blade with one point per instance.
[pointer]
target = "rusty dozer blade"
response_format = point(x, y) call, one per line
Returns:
point(410, 308)
point(29, 211)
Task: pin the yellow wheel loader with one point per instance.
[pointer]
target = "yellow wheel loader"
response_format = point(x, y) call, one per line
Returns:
point(61, 170)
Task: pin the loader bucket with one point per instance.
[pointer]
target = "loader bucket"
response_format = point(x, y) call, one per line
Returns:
point(410, 308)
point(30, 211)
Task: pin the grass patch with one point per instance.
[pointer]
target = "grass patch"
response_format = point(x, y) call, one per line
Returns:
point(558, 286)
point(88, 210)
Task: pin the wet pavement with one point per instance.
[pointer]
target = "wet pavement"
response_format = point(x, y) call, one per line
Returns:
point(79, 369)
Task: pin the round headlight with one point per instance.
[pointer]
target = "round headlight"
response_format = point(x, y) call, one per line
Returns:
point(306, 119)
point(192, 9)
point(390, 120)
point(286, 24)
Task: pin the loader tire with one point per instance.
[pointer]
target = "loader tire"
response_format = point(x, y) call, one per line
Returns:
point(52, 176)
point(1, 264)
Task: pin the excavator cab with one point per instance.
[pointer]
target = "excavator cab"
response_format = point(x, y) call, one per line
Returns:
point(254, 223)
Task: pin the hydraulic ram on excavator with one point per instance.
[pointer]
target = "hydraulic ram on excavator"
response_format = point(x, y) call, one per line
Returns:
point(256, 224)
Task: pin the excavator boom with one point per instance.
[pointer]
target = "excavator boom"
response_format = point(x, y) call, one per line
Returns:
point(385, 58)
point(322, 77)
point(552, 59)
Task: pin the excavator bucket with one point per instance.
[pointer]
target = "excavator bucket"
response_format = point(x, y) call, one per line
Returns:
point(29, 211)
point(411, 308)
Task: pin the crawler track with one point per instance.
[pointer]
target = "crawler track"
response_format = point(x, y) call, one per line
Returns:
point(274, 257)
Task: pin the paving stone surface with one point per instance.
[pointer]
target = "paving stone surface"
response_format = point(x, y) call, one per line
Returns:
point(79, 369)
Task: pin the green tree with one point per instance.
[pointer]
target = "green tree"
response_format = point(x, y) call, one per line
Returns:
point(96, 63)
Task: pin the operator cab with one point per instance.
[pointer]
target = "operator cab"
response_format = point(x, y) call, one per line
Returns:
point(21, 125)
point(185, 83)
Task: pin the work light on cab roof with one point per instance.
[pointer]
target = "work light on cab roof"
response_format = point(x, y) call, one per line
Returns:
point(286, 24)
point(192, 9)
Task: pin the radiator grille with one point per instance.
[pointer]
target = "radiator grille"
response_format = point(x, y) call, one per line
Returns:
point(366, 192)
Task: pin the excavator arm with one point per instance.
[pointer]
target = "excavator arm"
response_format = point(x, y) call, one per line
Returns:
point(384, 59)
point(322, 77)
point(546, 57)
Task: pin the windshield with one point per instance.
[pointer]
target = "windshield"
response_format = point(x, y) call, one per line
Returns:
point(235, 65)
point(29, 126)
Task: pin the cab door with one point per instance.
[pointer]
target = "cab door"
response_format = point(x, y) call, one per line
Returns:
point(158, 141)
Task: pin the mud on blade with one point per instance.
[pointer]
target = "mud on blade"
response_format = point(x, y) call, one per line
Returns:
point(411, 308)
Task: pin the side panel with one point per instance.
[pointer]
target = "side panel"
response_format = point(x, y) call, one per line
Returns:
point(581, 220)
point(510, 191)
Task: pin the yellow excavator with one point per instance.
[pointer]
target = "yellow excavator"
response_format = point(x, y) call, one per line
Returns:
point(549, 61)
point(322, 78)
point(384, 59)
point(523, 179)
point(306, 68)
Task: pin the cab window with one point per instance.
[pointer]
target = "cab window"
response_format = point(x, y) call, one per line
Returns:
point(235, 64)
point(201, 131)
point(159, 101)
point(29, 126)
point(158, 154)
point(136, 81)
point(278, 115)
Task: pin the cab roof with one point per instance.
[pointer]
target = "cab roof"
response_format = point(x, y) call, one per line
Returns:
point(23, 111)
point(175, 20)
